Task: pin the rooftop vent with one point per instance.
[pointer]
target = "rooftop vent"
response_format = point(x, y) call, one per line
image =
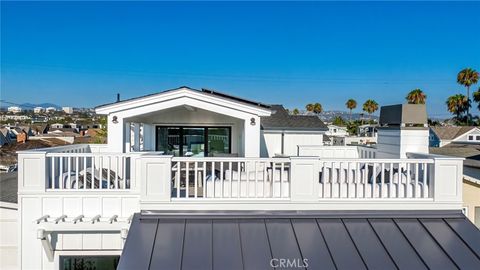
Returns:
point(404, 115)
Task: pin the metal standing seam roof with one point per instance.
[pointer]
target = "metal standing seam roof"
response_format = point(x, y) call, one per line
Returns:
point(327, 239)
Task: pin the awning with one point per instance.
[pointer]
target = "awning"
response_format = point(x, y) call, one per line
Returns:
point(301, 240)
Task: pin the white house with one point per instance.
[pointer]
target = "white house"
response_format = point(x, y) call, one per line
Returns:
point(67, 110)
point(50, 109)
point(444, 135)
point(197, 179)
point(14, 109)
point(336, 131)
point(38, 110)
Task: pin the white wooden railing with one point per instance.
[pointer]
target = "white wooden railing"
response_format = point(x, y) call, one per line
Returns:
point(366, 152)
point(224, 178)
point(82, 171)
point(375, 178)
point(421, 181)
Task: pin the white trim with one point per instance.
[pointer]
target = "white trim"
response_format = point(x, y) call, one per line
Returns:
point(466, 134)
point(8, 205)
point(179, 93)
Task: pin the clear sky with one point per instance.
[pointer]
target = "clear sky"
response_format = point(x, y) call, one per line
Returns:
point(82, 54)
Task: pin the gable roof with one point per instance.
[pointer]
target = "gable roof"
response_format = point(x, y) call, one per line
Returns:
point(281, 119)
point(203, 91)
point(450, 132)
point(321, 239)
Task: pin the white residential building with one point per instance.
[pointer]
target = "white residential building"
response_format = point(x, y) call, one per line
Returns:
point(186, 174)
point(50, 109)
point(336, 131)
point(14, 109)
point(444, 135)
point(15, 117)
point(68, 110)
point(38, 110)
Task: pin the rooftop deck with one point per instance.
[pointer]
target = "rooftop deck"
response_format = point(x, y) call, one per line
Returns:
point(321, 177)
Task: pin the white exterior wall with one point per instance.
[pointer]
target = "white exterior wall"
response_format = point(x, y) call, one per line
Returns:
point(292, 141)
point(183, 98)
point(395, 143)
point(183, 117)
point(8, 236)
point(32, 255)
point(272, 142)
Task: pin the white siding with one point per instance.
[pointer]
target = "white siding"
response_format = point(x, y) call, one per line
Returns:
point(272, 142)
point(8, 238)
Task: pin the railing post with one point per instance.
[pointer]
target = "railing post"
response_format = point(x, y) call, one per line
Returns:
point(446, 185)
point(32, 171)
point(304, 175)
point(155, 178)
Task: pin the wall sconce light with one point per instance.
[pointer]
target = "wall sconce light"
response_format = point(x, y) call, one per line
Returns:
point(114, 119)
point(252, 121)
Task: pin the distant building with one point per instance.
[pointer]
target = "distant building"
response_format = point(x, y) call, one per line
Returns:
point(38, 110)
point(56, 125)
point(68, 110)
point(14, 109)
point(39, 119)
point(14, 117)
point(336, 131)
point(367, 130)
point(51, 109)
point(441, 136)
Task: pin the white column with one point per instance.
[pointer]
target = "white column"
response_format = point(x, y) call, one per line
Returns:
point(447, 180)
point(116, 134)
point(155, 178)
point(304, 175)
point(128, 137)
point(252, 136)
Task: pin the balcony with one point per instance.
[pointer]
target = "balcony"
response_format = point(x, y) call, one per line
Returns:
point(321, 177)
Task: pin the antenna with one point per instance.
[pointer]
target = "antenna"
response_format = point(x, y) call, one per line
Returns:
point(118, 97)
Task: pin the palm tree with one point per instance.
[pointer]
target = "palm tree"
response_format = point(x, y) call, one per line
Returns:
point(351, 104)
point(317, 108)
point(295, 111)
point(467, 77)
point(476, 97)
point(370, 106)
point(309, 107)
point(416, 96)
point(457, 104)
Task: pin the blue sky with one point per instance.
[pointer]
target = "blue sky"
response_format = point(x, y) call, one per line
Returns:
point(82, 54)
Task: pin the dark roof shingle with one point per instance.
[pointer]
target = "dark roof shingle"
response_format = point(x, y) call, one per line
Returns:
point(281, 119)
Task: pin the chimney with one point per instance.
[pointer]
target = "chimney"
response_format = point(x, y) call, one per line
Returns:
point(118, 97)
point(403, 129)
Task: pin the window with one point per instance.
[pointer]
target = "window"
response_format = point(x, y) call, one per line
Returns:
point(477, 138)
point(470, 138)
point(193, 141)
point(88, 262)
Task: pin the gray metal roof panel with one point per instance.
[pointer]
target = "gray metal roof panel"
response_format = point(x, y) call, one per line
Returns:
point(334, 240)
point(397, 246)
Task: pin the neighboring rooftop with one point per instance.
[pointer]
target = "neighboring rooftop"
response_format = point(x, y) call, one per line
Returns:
point(325, 239)
point(450, 132)
point(8, 187)
point(281, 119)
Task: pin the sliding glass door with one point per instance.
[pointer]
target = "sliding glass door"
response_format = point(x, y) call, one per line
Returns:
point(193, 141)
